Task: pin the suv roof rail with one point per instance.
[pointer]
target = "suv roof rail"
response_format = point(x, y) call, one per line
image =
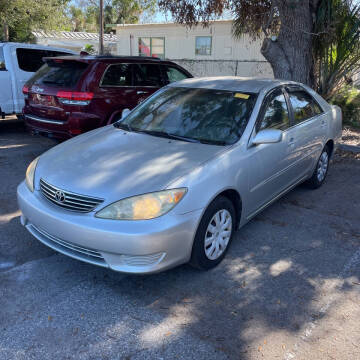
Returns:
point(126, 57)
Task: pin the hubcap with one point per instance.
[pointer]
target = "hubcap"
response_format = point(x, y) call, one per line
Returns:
point(218, 234)
point(322, 166)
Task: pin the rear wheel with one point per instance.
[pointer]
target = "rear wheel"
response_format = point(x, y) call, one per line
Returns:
point(319, 175)
point(214, 234)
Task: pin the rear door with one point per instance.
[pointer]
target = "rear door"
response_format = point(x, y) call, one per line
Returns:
point(6, 95)
point(28, 61)
point(307, 131)
point(147, 79)
point(116, 91)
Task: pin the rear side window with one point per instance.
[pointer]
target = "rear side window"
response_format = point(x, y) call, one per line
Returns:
point(30, 60)
point(147, 75)
point(276, 114)
point(117, 75)
point(2, 60)
point(174, 74)
point(304, 106)
point(59, 74)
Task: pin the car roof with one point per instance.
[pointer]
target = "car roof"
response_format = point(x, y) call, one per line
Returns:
point(38, 47)
point(232, 83)
point(112, 59)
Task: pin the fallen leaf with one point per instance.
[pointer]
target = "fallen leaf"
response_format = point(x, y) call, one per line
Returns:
point(265, 342)
point(260, 348)
point(278, 302)
point(50, 318)
point(283, 346)
point(168, 333)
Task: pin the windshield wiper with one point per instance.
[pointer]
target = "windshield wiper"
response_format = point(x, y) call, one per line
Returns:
point(123, 126)
point(167, 135)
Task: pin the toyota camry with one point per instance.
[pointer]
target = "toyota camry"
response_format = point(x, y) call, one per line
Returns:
point(173, 180)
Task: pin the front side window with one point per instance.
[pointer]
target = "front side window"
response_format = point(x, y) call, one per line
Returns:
point(203, 45)
point(304, 106)
point(30, 60)
point(152, 46)
point(276, 114)
point(173, 74)
point(210, 116)
point(147, 75)
point(117, 75)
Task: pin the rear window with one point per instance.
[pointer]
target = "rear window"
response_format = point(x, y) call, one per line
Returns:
point(304, 106)
point(59, 74)
point(30, 60)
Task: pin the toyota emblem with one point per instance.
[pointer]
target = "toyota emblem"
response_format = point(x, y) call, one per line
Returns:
point(60, 196)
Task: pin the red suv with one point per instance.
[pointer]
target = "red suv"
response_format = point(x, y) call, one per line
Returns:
point(74, 94)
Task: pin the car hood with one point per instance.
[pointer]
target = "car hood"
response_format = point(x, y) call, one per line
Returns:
point(112, 164)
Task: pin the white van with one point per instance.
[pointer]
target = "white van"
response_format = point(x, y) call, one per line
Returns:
point(18, 62)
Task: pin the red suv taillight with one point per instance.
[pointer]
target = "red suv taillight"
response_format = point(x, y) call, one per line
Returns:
point(25, 91)
point(74, 97)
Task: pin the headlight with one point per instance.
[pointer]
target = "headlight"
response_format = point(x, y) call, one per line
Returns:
point(30, 172)
point(143, 207)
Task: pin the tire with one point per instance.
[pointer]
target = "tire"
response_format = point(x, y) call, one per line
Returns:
point(219, 216)
point(322, 167)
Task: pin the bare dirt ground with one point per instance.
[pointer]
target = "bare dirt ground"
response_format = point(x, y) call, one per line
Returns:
point(351, 136)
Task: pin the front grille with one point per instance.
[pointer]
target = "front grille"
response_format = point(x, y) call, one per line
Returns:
point(67, 248)
point(68, 200)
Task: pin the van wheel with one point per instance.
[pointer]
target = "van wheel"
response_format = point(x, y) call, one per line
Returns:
point(319, 175)
point(214, 234)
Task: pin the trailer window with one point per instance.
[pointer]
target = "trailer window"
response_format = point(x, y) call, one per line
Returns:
point(2, 60)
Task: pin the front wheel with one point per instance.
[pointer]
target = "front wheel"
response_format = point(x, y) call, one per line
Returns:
point(214, 234)
point(321, 170)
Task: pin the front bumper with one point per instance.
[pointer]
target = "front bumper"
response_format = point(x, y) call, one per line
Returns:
point(138, 247)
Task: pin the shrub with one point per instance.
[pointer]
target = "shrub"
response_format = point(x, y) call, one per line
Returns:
point(349, 101)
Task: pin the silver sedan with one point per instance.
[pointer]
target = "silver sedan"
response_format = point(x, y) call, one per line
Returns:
point(173, 180)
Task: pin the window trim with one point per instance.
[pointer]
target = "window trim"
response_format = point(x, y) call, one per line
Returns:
point(132, 77)
point(151, 37)
point(211, 44)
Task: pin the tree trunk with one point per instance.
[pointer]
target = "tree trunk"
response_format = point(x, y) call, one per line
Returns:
point(6, 32)
point(290, 55)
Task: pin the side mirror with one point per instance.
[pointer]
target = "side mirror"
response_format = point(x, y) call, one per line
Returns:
point(267, 136)
point(125, 113)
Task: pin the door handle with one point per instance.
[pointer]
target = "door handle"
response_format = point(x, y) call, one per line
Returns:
point(141, 92)
point(291, 142)
point(323, 122)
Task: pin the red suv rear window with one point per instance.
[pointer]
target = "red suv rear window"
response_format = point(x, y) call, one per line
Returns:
point(59, 73)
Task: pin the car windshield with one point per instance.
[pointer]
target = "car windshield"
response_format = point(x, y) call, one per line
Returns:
point(197, 115)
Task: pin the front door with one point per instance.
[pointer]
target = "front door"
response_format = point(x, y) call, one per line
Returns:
point(268, 163)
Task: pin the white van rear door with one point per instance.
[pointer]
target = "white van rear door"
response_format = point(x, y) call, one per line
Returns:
point(6, 93)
